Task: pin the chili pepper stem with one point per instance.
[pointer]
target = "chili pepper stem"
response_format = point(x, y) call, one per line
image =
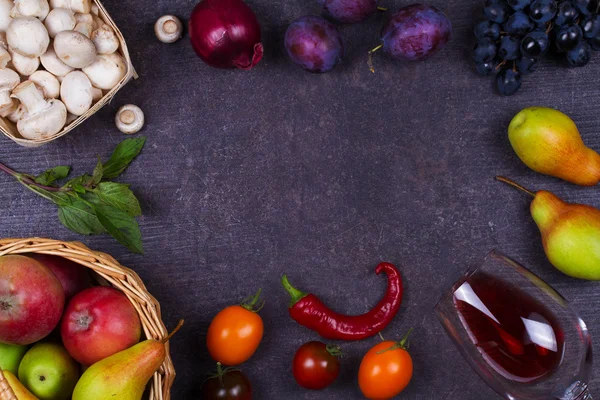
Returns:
point(296, 294)
point(515, 185)
point(251, 302)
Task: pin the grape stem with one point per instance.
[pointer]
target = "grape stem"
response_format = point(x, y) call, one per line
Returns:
point(370, 61)
point(382, 9)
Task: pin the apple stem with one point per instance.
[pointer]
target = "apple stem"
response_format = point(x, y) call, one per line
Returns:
point(174, 331)
point(515, 185)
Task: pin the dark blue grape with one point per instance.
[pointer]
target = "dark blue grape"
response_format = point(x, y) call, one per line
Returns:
point(526, 65)
point(314, 44)
point(542, 10)
point(580, 55)
point(349, 11)
point(508, 82)
point(568, 37)
point(518, 24)
point(590, 26)
point(535, 44)
point(485, 50)
point(487, 29)
point(518, 5)
point(487, 67)
point(585, 7)
point(497, 10)
point(509, 48)
point(594, 42)
point(566, 14)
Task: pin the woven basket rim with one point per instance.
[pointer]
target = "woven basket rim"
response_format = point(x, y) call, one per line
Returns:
point(117, 276)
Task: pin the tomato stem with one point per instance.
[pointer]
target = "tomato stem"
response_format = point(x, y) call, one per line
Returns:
point(296, 294)
point(402, 344)
point(250, 302)
point(334, 350)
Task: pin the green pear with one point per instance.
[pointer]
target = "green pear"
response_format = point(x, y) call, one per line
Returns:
point(548, 141)
point(123, 375)
point(17, 387)
point(11, 356)
point(49, 372)
point(570, 233)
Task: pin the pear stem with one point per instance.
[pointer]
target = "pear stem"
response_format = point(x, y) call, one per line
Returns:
point(174, 331)
point(515, 185)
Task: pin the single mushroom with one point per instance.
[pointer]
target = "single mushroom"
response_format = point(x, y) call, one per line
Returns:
point(8, 111)
point(168, 29)
point(27, 36)
point(9, 79)
point(59, 19)
point(53, 64)
point(106, 72)
point(4, 54)
point(74, 49)
point(78, 6)
point(43, 119)
point(47, 82)
point(129, 119)
point(6, 7)
point(105, 40)
point(25, 66)
point(95, 10)
point(76, 93)
point(96, 95)
point(30, 8)
point(71, 118)
point(86, 18)
point(84, 28)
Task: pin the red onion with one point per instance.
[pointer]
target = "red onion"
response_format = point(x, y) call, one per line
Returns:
point(226, 34)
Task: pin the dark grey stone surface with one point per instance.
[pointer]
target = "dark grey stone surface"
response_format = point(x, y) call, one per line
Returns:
point(247, 175)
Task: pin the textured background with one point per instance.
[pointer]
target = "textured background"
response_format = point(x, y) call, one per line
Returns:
point(247, 175)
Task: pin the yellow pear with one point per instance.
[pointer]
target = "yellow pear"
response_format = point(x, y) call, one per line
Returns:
point(123, 375)
point(17, 387)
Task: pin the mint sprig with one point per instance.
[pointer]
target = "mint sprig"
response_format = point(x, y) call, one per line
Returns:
point(93, 204)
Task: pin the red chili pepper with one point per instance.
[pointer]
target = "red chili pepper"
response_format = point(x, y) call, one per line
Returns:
point(310, 312)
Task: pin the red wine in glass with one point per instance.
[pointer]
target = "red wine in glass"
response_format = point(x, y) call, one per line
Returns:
point(521, 336)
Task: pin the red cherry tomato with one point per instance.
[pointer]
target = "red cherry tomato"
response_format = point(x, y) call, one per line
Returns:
point(316, 365)
point(227, 384)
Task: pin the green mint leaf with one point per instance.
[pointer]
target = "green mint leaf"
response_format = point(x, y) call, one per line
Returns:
point(117, 195)
point(52, 175)
point(78, 216)
point(80, 181)
point(97, 174)
point(58, 198)
point(121, 226)
point(123, 155)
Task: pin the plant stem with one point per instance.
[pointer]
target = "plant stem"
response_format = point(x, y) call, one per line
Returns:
point(178, 327)
point(27, 181)
point(382, 9)
point(370, 61)
point(515, 185)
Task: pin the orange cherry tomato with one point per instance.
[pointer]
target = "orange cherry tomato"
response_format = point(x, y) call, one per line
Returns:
point(235, 333)
point(385, 370)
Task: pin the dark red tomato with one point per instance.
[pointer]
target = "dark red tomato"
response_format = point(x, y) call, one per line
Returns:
point(316, 365)
point(227, 385)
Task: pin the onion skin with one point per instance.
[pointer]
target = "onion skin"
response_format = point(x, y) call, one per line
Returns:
point(226, 34)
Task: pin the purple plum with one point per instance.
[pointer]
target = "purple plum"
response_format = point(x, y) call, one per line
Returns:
point(349, 11)
point(416, 32)
point(314, 43)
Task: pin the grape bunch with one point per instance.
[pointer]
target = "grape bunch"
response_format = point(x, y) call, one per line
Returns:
point(518, 33)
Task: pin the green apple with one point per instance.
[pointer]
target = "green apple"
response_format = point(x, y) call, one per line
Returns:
point(49, 372)
point(10, 357)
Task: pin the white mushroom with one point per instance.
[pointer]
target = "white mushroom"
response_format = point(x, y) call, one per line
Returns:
point(76, 93)
point(106, 72)
point(6, 7)
point(47, 82)
point(24, 65)
point(105, 40)
point(129, 119)
point(27, 36)
point(17, 114)
point(74, 49)
point(53, 64)
point(9, 79)
point(96, 95)
point(59, 19)
point(43, 119)
point(168, 29)
point(3, 41)
point(84, 28)
point(78, 6)
point(95, 10)
point(30, 8)
point(4, 54)
point(85, 18)
point(71, 118)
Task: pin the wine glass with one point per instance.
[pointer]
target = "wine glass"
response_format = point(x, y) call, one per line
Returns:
point(521, 336)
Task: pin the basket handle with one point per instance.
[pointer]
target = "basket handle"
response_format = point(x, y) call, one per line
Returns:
point(6, 392)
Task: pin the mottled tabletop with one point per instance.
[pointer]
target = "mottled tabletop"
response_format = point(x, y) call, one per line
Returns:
point(249, 175)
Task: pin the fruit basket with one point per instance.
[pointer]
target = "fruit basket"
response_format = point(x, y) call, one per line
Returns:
point(9, 129)
point(107, 272)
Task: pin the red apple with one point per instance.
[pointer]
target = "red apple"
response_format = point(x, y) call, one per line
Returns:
point(99, 322)
point(74, 277)
point(31, 300)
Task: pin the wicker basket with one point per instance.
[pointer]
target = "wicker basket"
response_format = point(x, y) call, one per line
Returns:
point(107, 271)
point(9, 129)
